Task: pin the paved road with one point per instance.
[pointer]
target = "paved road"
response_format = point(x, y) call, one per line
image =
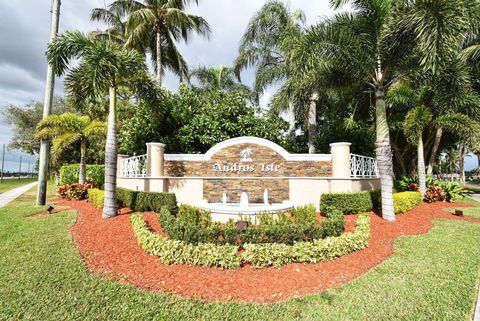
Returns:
point(12, 194)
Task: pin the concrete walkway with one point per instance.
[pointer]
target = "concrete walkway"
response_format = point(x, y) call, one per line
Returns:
point(8, 196)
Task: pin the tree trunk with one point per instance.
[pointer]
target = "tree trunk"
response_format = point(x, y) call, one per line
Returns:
point(384, 155)
point(82, 175)
point(436, 145)
point(422, 177)
point(110, 202)
point(462, 164)
point(312, 123)
point(291, 122)
point(159, 59)
point(47, 109)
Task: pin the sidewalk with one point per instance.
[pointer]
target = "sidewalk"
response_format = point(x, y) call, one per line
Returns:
point(12, 194)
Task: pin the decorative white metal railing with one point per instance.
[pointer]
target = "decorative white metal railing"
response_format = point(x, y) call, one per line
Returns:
point(363, 166)
point(135, 166)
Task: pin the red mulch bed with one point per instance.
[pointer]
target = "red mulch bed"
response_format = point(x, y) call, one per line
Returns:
point(109, 248)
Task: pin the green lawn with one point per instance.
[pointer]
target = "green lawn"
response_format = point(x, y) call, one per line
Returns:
point(9, 184)
point(42, 277)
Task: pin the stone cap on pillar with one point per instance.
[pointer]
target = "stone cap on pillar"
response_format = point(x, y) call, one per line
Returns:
point(156, 144)
point(340, 144)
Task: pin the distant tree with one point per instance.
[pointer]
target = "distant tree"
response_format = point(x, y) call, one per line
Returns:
point(221, 77)
point(24, 120)
point(67, 129)
point(102, 68)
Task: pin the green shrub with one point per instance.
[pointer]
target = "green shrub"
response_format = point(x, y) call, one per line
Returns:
point(305, 214)
point(405, 201)
point(259, 255)
point(453, 191)
point(188, 226)
point(155, 201)
point(348, 203)
point(178, 252)
point(96, 197)
point(434, 193)
point(376, 197)
point(193, 215)
point(127, 197)
point(69, 174)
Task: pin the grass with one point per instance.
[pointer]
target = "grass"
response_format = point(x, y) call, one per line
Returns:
point(468, 211)
point(42, 277)
point(9, 184)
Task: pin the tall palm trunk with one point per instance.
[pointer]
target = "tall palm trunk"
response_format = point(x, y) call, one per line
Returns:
point(82, 175)
point(462, 164)
point(436, 145)
point(291, 122)
point(422, 177)
point(47, 109)
point(312, 123)
point(384, 151)
point(110, 202)
point(159, 58)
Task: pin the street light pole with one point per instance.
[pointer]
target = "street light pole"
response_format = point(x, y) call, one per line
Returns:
point(47, 109)
point(3, 163)
point(20, 168)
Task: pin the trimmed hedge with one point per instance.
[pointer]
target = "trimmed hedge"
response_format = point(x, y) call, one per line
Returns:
point(146, 201)
point(69, 174)
point(96, 197)
point(348, 203)
point(405, 201)
point(195, 227)
point(259, 255)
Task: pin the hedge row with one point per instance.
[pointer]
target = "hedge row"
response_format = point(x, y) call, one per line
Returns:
point(405, 201)
point(146, 201)
point(276, 231)
point(366, 201)
point(69, 174)
point(259, 255)
point(96, 197)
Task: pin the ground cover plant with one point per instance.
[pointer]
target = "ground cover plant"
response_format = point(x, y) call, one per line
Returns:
point(173, 251)
point(43, 277)
point(193, 225)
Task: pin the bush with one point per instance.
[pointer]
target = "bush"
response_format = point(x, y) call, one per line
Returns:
point(434, 193)
point(75, 191)
point(348, 203)
point(453, 191)
point(127, 197)
point(189, 226)
point(305, 214)
point(405, 201)
point(96, 197)
point(155, 201)
point(69, 174)
point(376, 197)
point(259, 255)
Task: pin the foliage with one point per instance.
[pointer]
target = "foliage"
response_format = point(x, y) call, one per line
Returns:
point(405, 201)
point(434, 193)
point(263, 255)
point(453, 191)
point(178, 252)
point(218, 78)
point(24, 120)
point(407, 183)
point(305, 214)
point(155, 201)
point(96, 197)
point(348, 203)
point(75, 191)
point(127, 197)
point(194, 226)
point(69, 174)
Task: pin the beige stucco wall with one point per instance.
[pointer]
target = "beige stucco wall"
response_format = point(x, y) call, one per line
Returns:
point(188, 191)
point(307, 191)
point(365, 184)
point(136, 184)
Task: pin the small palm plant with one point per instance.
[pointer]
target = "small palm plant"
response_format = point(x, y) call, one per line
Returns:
point(102, 67)
point(67, 129)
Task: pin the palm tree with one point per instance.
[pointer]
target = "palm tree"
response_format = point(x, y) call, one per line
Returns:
point(416, 121)
point(116, 28)
point(267, 45)
point(220, 78)
point(155, 25)
point(67, 129)
point(102, 68)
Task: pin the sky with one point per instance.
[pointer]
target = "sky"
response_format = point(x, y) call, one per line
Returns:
point(24, 34)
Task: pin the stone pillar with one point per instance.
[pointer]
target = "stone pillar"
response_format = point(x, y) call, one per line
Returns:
point(155, 163)
point(341, 181)
point(120, 157)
